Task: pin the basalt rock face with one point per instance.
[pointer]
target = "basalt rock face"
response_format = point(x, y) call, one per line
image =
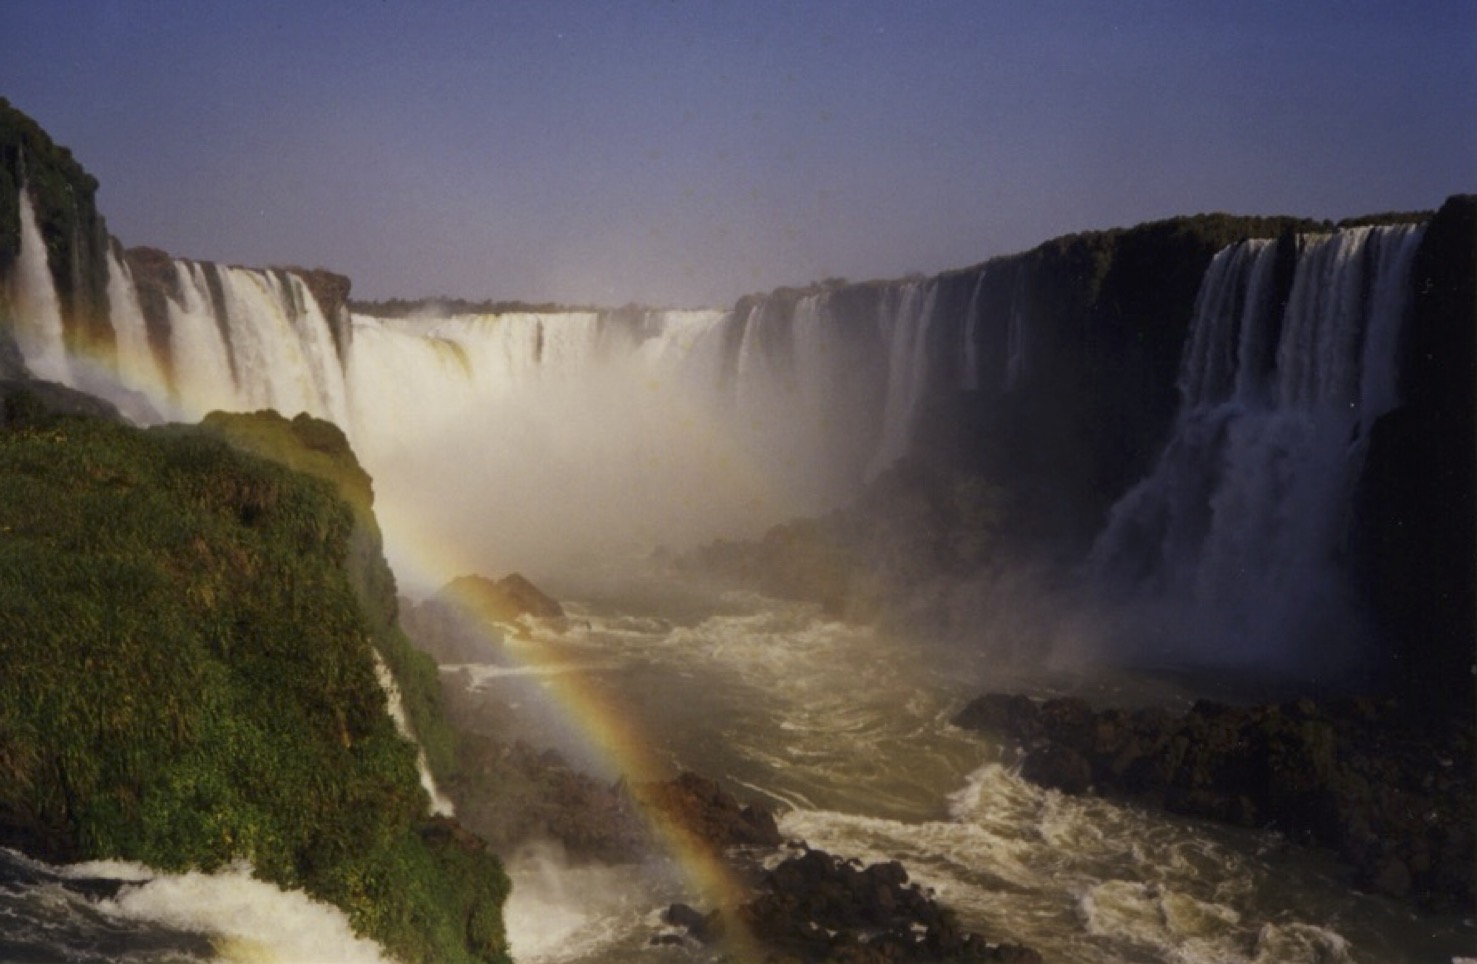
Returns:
point(1395, 802)
point(1416, 543)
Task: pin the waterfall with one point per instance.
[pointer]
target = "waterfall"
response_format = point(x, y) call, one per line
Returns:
point(1243, 518)
point(907, 315)
point(138, 368)
point(521, 434)
point(701, 423)
point(439, 804)
point(280, 344)
point(35, 309)
point(970, 349)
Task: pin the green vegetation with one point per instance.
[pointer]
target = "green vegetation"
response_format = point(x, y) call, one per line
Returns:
point(185, 631)
point(319, 449)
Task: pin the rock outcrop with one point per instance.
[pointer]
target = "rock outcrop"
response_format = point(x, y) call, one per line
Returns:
point(706, 812)
point(812, 906)
point(818, 907)
point(189, 632)
point(1392, 796)
point(502, 600)
point(512, 794)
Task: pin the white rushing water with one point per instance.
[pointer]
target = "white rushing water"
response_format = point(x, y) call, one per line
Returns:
point(439, 805)
point(109, 912)
point(522, 439)
point(1239, 524)
point(847, 733)
point(36, 310)
point(907, 314)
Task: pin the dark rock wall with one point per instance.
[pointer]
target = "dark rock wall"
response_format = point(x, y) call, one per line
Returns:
point(1416, 545)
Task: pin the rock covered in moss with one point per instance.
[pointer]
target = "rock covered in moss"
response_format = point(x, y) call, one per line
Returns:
point(190, 680)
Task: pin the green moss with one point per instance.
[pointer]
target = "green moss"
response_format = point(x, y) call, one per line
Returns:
point(188, 682)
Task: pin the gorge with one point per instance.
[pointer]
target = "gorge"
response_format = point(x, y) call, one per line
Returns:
point(1210, 449)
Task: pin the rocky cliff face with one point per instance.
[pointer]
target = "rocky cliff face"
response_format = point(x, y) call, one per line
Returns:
point(1416, 542)
point(1049, 383)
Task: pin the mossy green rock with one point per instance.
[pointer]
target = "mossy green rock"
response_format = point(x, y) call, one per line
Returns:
point(189, 675)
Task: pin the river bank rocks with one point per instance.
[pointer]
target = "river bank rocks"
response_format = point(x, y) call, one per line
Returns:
point(464, 622)
point(818, 907)
point(1394, 799)
point(812, 906)
point(700, 808)
point(510, 793)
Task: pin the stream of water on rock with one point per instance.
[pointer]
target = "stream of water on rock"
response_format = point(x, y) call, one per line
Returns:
point(847, 734)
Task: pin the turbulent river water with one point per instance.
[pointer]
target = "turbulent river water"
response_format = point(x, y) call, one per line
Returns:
point(846, 732)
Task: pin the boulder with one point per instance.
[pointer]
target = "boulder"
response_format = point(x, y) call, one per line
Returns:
point(703, 809)
point(817, 907)
point(1392, 795)
point(500, 601)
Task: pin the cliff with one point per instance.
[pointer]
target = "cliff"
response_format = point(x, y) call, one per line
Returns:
point(1048, 385)
point(189, 634)
point(1416, 545)
point(75, 234)
point(78, 249)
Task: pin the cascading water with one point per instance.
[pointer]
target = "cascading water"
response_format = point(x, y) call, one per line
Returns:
point(906, 318)
point(492, 438)
point(440, 805)
point(1243, 517)
point(138, 367)
point(35, 308)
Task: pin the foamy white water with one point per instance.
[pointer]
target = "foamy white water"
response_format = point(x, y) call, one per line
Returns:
point(106, 912)
point(846, 731)
point(38, 318)
point(1237, 526)
point(248, 919)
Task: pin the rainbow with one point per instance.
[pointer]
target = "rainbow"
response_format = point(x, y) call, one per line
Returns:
point(622, 747)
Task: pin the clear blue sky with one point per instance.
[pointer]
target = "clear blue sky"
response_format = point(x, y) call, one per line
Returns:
point(678, 152)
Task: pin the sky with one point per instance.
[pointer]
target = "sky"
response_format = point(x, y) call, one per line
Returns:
point(683, 153)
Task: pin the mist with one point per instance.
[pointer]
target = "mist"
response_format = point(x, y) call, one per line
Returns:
point(545, 443)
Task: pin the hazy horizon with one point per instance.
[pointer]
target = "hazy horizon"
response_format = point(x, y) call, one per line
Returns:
point(688, 153)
